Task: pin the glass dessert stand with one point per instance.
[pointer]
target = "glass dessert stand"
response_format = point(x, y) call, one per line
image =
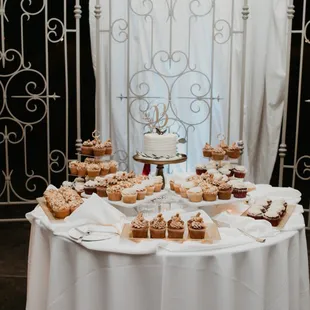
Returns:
point(160, 163)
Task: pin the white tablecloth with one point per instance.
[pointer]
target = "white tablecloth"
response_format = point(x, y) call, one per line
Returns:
point(63, 275)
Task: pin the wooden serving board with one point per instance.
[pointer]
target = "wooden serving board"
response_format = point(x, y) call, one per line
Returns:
point(212, 234)
point(47, 211)
point(289, 211)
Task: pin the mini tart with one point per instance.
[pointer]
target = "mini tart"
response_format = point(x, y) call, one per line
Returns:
point(218, 154)
point(195, 194)
point(210, 194)
point(185, 187)
point(171, 183)
point(239, 172)
point(273, 217)
point(197, 227)
point(240, 190)
point(87, 148)
point(139, 227)
point(225, 191)
point(175, 227)
point(114, 193)
point(141, 191)
point(99, 149)
point(158, 227)
point(256, 212)
point(233, 151)
point(129, 195)
point(200, 169)
point(207, 150)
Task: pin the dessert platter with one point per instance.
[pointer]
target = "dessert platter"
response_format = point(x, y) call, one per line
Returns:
point(176, 228)
point(275, 212)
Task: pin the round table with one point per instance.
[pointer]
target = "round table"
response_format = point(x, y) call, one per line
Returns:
point(64, 275)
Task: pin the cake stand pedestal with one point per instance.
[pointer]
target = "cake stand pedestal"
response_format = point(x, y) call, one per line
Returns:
point(160, 163)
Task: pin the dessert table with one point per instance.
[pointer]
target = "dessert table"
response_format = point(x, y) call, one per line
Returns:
point(65, 275)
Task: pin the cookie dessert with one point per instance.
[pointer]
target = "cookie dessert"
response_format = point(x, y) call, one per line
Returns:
point(139, 227)
point(175, 227)
point(158, 227)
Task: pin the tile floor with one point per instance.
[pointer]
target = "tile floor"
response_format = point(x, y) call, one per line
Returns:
point(13, 265)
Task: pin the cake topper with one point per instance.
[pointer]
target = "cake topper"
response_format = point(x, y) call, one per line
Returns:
point(96, 135)
point(157, 120)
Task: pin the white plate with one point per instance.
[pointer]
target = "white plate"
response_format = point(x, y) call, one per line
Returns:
point(97, 233)
point(132, 205)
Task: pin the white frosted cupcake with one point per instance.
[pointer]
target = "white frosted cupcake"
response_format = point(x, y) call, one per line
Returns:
point(141, 191)
point(240, 172)
point(149, 186)
point(185, 187)
point(177, 186)
point(212, 171)
point(129, 195)
point(195, 194)
point(158, 183)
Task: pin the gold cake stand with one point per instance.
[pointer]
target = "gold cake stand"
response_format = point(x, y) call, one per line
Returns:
point(160, 164)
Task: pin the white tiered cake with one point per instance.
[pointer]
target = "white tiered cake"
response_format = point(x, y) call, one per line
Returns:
point(160, 145)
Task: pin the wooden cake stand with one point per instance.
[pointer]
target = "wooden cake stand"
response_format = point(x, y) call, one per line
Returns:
point(160, 163)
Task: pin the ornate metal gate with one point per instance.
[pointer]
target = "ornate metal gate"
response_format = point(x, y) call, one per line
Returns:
point(31, 106)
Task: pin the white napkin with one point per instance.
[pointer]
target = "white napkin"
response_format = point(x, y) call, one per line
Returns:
point(95, 210)
point(257, 228)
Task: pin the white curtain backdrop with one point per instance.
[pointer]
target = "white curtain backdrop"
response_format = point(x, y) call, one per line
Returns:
point(185, 52)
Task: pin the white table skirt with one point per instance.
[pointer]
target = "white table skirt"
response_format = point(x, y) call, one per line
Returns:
point(65, 276)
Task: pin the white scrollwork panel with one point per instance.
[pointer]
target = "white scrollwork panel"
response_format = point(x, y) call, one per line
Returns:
point(303, 167)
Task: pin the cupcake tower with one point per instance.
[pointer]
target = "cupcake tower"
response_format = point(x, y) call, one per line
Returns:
point(175, 228)
point(93, 165)
point(213, 184)
point(266, 209)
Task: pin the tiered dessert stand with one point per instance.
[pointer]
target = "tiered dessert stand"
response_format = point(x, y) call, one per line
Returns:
point(160, 163)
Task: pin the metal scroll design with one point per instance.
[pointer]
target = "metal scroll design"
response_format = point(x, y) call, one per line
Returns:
point(302, 168)
point(196, 107)
point(33, 106)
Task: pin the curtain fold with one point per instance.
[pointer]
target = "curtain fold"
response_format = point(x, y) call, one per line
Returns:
point(188, 55)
